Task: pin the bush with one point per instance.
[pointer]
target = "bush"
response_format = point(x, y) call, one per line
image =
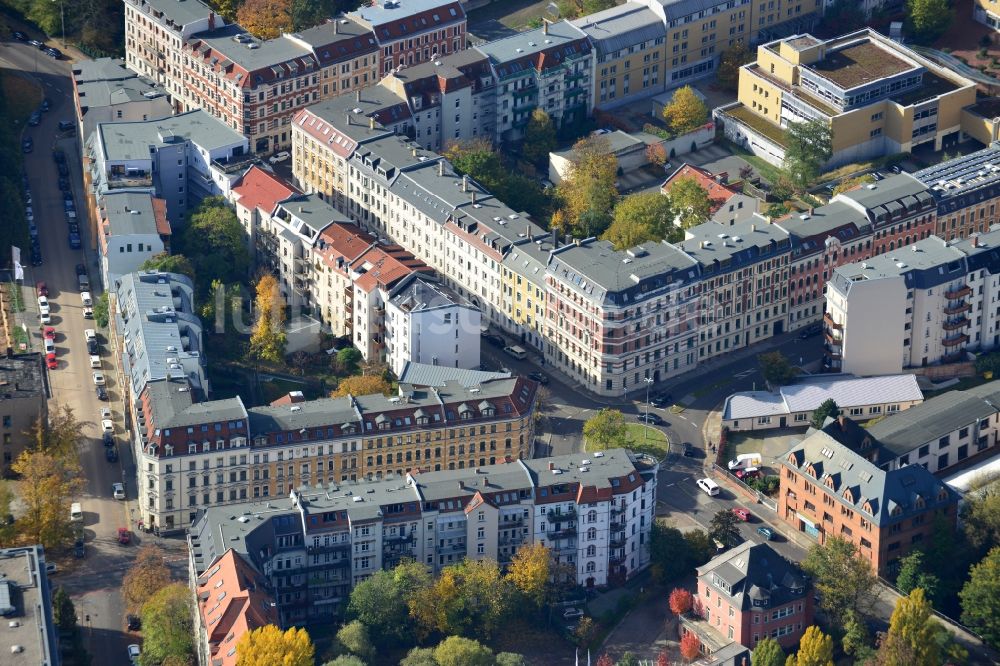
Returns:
point(982, 53)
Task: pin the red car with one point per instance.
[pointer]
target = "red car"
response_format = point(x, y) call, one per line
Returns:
point(50, 360)
point(742, 514)
point(124, 536)
point(41, 288)
point(748, 473)
point(49, 333)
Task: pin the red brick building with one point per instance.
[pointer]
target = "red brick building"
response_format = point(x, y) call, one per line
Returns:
point(828, 489)
point(410, 32)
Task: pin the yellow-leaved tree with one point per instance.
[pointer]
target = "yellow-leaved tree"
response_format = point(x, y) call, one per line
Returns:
point(266, 19)
point(46, 485)
point(271, 645)
point(148, 575)
point(361, 385)
point(686, 111)
point(268, 339)
point(529, 571)
point(815, 649)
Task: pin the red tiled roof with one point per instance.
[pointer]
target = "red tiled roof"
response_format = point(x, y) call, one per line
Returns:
point(259, 189)
point(160, 216)
point(388, 264)
point(717, 192)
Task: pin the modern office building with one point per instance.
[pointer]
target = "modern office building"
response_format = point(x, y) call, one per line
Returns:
point(26, 606)
point(24, 396)
point(316, 542)
point(878, 97)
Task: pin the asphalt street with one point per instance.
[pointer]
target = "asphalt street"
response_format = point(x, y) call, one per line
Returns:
point(94, 581)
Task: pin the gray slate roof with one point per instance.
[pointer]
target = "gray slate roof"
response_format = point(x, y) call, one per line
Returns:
point(754, 571)
point(732, 246)
point(425, 374)
point(129, 213)
point(268, 53)
point(419, 293)
point(620, 27)
point(132, 141)
point(524, 44)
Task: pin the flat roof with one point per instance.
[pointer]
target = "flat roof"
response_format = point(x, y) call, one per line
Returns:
point(132, 140)
point(425, 374)
point(26, 596)
point(620, 27)
point(859, 64)
point(527, 43)
point(129, 213)
point(21, 376)
point(378, 13)
point(183, 12)
point(102, 69)
point(265, 54)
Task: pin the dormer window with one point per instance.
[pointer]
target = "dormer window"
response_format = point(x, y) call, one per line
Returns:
point(867, 508)
point(848, 495)
point(760, 603)
point(919, 502)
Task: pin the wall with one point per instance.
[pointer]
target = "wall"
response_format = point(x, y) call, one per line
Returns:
point(873, 330)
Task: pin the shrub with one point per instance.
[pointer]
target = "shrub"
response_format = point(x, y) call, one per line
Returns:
point(984, 41)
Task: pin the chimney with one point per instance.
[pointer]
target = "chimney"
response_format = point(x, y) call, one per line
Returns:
point(552, 465)
point(211, 20)
point(576, 241)
point(545, 27)
point(465, 183)
point(975, 240)
point(300, 209)
point(347, 118)
point(10, 352)
point(701, 245)
point(371, 122)
point(336, 28)
point(473, 197)
point(461, 484)
point(753, 227)
point(414, 151)
point(810, 211)
point(527, 231)
point(486, 482)
point(440, 167)
point(842, 420)
point(555, 239)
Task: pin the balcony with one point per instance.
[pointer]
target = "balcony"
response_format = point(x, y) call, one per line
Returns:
point(832, 339)
point(235, 163)
point(617, 527)
point(511, 541)
point(119, 181)
point(329, 548)
point(555, 516)
point(617, 542)
point(955, 341)
point(957, 309)
point(561, 534)
point(955, 324)
point(617, 509)
point(960, 292)
point(830, 323)
point(451, 548)
point(832, 351)
point(398, 538)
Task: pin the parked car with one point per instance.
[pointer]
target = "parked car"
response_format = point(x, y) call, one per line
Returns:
point(133, 622)
point(133, 654)
point(539, 377)
point(688, 450)
point(118, 490)
point(37, 44)
point(742, 514)
point(650, 418)
point(81, 269)
point(50, 361)
point(661, 399)
point(49, 333)
point(19, 36)
point(279, 157)
point(66, 125)
point(51, 568)
point(710, 487)
point(43, 304)
point(766, 532)
point(108, 426)
point(571, 613)
point(99, 378)
point(58, 156)
point(35, 118)
point(495, 340)
point(111, 454)
point(95, 361)
point(810, 330)
point(79, 550)
point(74, 241)
point(92, 347)
point(46, 105)
point(109, 439)
point(53, 52)
point(748, 473)
point(27, 145)
point(42, 288)
point(102, 393)
point(50, 345)
point(124, 536)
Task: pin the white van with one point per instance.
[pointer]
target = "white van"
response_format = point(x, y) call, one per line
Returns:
point(745, 461)
point(85, 297)
point(516, 351)
point(75, 512)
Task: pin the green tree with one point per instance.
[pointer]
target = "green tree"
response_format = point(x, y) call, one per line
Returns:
point(842, 577)
point(815, 649)
point(539, 137)
point(842, 17)
point(468, 598)
point(215, 245)
point(169, 263)
point(346, 660)
point(648, 216)
point(768, 653)
point(911, 636)
point(101, 311)
point(605, 430)
point(477, 159)
point(981, 511)
point(588, 192)
point(355, 639)
point(167, 627)
point(690, 201)
point(809, 147)
point(928, 19)
point(419, 656)
point(63, 610)
point(349, 358)
point(458, 651)
point(686, 111)
point(730, 61)
point(510, 659)
point(828, 408)
point(857, 640)
point(380, 601)
point(981, 598)
point(8, 527)
point(776, 368)
point(59, 434)
point(913, 574)
point(699, 547)
point(724, 527)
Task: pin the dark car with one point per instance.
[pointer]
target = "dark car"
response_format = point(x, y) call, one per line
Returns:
point(111, 454)
point(650, 418)
point(35, 118)
point(810, 330)
point(92, 347)
point(101, 393)
point(74, 228)
point(64, 185)
point(79, 550)
point(37, 44)
point(688, 450)
point(66, 125)
point(133, 622)
point(63, 171)
point(495, 340)
point(109, 439)
point(19, 36)
point(27, 145)
point(661, 399)
point(53, 52)
point(81, 270)
point(539, 377)
point(46, 104)
point(36, 257)
point(74, 241)
point(42, 288)
point(58, 156)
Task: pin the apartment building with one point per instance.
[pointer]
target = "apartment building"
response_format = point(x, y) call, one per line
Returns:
point(523, 278)
point(179, 159)
point(924, 304)
point(728, 206)
point(743, 271)
point(26, 606)
point(104, 91)
point(630, 50)
point(966, 191)
point(255, 197)
point(878, 96)
point(347, 54)
point(23, 403)
point(132, 228)
point(410, 32)
point(155, 36)
point(425, 322)
point(987, 12)
point(339, 247)
point(828, 489)
point(316, 543)
point(549, 68)
point(233, 599)
point(749, 593)
point(856, 225)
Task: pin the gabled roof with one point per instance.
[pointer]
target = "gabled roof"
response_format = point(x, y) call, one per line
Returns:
point(260, 189)
point(718, 193)
point(754, 572)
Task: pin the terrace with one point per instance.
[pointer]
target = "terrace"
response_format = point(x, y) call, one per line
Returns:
point(743, 115)
point(931, 86)
point(860, 64)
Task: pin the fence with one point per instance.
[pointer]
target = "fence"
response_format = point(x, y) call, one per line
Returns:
point(750, 493)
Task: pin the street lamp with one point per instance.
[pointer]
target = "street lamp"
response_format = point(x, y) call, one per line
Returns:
point(62, 18)
point(645, 421)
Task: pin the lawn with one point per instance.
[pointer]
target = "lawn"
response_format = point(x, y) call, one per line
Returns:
point(642, 439)
point(22, 94)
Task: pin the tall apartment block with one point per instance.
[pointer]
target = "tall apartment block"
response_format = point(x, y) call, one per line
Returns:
point(926, 303)
point(594, 512)
point(878, 97)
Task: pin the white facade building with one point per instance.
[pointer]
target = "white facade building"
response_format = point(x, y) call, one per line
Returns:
point(133, 228)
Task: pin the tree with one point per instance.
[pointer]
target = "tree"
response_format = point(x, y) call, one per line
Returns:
point(8, 527)
point(102, 310)
point(63, 611)
point(809, 147)
point(169, 263)
point(270, 645)
point(529, 572)
point(981, 598)
point(827, 408)
point(266, 19)
point(354, 637)
point(585, 631)
point(308, 13)
point(815, 649)
point(911, 636)
point(458, 651)
point(46, 486)
point(723, 527)
point(628, 659)
point(349, 358)
point(479, 161)
point(913, 574)
point(768, 652)
point(776, 368)
point(605, 430)
point(849, 184)
point(539, 136)
point(690, 201)
point(167, 627)
point(648, 216)
point(857, 641)
point(379, 601)
point(468, 598)
point(656, 154)
point(686, 111)
point(215, 245)
point(361, 385)
point(981, 512)
point(699, 547)
point(588, 191)
point(928, 19)
point(510, 659)
point(268, 339)
point(346, 660)
point(680, 601)
point(690, 646)
point(227, 8)
point(148, 575)
point(419, 656)
point(842, 577)
point(730, 61)
point(59, 434)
